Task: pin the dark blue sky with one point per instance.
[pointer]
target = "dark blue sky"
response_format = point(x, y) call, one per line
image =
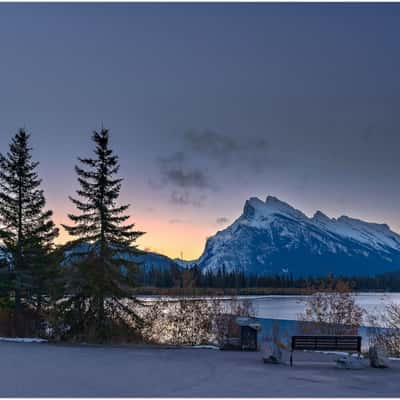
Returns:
point(209, 104)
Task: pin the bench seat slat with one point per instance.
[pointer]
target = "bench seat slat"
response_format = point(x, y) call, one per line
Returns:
point(347, 343)
point(351, 343)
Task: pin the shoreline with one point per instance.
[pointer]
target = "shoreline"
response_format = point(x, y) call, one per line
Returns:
point(185, 292)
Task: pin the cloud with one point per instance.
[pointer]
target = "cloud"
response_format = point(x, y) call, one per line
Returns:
point(187, 183)
point(176, 171)
point(222, 220)
point(186, 174)
point(185, 198)
point(248, 152)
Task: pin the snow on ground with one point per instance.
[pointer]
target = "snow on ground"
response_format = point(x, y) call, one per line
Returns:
point(47, 370)
point(207, 347)
point(22, 340)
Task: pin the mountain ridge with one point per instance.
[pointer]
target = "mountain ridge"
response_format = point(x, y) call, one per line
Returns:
point(272, 237)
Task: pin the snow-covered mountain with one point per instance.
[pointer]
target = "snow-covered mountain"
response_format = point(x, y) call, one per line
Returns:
point(273, 237)
point(144, 259)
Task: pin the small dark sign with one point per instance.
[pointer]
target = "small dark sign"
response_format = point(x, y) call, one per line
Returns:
point(248, 338)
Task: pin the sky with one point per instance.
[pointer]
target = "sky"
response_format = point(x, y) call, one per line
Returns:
point(209, 105)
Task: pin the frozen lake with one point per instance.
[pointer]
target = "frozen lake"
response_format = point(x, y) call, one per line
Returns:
point(289, 307)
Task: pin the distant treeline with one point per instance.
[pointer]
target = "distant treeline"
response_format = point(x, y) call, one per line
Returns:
point(175, 277)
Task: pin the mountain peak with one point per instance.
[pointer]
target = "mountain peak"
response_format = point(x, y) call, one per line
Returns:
point(275, 205)
point(271, 235)
point(319, 216)
point(274, 202)
point(255, 208)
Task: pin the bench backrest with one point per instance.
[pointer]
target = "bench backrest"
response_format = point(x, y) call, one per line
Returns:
point(327, 343)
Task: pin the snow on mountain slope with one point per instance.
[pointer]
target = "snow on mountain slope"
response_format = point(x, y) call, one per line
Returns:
point(272, 236)
point(378, 236)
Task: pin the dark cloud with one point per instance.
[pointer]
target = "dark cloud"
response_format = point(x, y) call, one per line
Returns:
point(175, 170)
point(222, 220)
point(248, 152)
point(185, 198)
point(186, 182)
point(185, 172)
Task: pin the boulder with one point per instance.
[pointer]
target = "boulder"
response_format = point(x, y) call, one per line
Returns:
point(349, 362)
point(378, 357)
point(271, 353)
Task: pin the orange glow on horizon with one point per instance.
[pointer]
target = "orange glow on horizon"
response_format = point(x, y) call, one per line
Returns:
point(161, 236)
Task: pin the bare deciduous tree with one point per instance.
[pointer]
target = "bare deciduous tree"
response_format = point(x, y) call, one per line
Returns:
point(332, 310)
point(193, 321)
point(387, 329)
point(182, 322)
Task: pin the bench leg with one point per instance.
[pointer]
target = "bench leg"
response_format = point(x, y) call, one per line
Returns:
point(291, 358)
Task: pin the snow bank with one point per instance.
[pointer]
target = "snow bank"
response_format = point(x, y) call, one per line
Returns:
point(209, 347)
point(22, 340)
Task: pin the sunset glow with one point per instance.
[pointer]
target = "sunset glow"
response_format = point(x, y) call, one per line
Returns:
point(173, 240)
point(206, 115)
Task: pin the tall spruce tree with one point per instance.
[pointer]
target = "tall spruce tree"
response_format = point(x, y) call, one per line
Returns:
point(26, 228)
point(102, 272)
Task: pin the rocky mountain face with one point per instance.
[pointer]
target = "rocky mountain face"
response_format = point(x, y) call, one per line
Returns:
point(273, 237)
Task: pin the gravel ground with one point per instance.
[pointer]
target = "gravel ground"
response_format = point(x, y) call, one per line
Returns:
point(46, 370)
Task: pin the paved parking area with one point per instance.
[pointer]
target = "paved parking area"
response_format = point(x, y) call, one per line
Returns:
point(39, 370)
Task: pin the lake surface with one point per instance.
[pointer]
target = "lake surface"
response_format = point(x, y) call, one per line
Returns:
point(289, 307)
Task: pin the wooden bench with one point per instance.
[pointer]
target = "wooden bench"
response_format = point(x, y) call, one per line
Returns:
point(350, 344)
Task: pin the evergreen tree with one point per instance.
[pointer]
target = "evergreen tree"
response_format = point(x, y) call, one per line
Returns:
point(102, 275)
point(27, 230)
